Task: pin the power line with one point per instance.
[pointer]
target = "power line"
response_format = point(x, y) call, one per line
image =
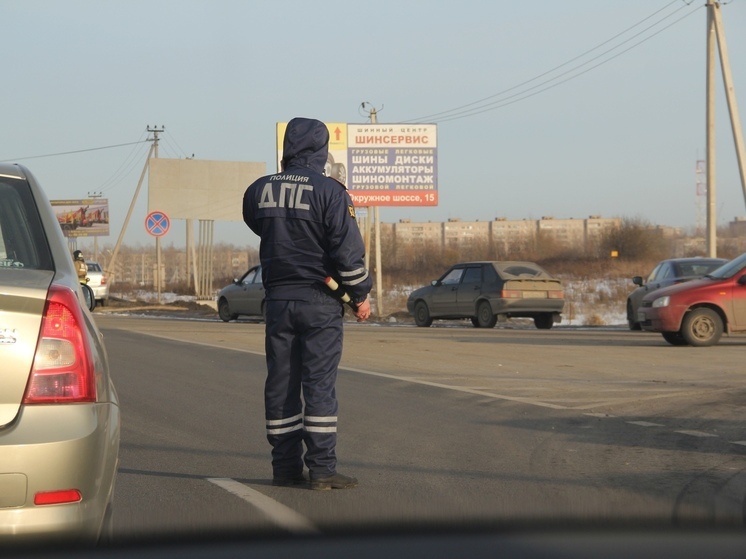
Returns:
point(124, 169)
point(479, 107)
point(505, 102)
point(70, 152)
point(169, 139)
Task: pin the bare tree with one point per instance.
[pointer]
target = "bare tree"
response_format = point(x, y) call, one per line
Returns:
point(635, 239)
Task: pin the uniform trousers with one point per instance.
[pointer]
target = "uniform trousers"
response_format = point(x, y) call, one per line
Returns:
point(303, 345)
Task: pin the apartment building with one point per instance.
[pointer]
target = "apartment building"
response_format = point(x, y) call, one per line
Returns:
point(501, 234)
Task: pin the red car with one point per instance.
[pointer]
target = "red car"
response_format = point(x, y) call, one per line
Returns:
point(698, 312)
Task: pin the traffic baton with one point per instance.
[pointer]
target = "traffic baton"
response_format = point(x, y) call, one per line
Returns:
point(339, 292)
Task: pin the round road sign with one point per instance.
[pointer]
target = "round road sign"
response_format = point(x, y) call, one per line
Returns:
point(157, 224)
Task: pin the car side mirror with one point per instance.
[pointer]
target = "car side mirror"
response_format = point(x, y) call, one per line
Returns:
point(637, 280)
point(90, 299)
point(435, 283)
point(742, 280)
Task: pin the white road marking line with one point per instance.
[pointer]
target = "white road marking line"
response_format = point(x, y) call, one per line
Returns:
point(645, 424)
point(477, 391)
point(695, 433)
point(278, 513)
point(531, 401)
point(493, 395)
point(742, 443)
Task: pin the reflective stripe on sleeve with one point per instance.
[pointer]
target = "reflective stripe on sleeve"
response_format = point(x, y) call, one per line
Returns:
point(353, 277)
point(343, 273)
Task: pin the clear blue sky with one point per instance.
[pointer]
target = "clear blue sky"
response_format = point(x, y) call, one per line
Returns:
point(603, 131)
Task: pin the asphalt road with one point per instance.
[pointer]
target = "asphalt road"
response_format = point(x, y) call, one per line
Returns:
point(451, 425)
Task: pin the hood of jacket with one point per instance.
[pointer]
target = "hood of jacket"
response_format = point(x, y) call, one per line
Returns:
point(306, 144)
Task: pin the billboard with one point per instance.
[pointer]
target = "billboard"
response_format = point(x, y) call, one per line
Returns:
point(197, 189)
point(393, 164)
point(88, 217)
point(382, 164)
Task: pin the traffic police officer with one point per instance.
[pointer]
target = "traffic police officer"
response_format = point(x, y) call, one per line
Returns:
point(306, 222)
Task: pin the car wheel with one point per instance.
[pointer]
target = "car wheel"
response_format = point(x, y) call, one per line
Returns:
point(544, 321)
point(633, 324)
point(702, 327)
point(422, 314)
point(224, 311)
point(485, 316)
point(674, 338)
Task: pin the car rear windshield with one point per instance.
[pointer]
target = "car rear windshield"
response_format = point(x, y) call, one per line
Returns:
point(521, 270)
point(23, 244)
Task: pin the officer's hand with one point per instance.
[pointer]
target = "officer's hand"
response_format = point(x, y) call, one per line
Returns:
point(363, 311)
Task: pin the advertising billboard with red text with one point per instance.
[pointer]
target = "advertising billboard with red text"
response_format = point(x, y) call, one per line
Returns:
point(382, 164)
point(392, 164)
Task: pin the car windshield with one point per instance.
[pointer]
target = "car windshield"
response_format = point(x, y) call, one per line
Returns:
point(729, 269)
point(452, 277)
point(697, 268)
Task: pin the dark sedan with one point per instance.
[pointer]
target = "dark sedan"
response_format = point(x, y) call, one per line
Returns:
point(488, 292)
point(244, 296)
point(668, 272)
point(699, 311)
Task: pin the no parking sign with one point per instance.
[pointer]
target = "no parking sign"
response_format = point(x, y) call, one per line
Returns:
point(157, 224)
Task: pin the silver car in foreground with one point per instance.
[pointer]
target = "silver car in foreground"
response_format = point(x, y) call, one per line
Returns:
point(59, 414)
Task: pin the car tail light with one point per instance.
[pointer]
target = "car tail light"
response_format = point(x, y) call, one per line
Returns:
point(556, 294)
point(63, 365)
point(103, 279)
point(58, 497)
point(511, 294)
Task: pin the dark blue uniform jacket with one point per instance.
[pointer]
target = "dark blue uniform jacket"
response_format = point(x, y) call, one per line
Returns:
point(306, 221)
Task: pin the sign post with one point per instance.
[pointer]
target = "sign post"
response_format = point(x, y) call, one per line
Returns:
point(157, 224)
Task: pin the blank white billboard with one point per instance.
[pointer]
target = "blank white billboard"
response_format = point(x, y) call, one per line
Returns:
point(195, 189)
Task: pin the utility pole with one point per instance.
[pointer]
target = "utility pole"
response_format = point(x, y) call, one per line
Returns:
point(716, 31)
point(153, 149)
point(155, 130)
point(95, 237)
point(157, 276)
point(377, 221)
point(711, 234)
